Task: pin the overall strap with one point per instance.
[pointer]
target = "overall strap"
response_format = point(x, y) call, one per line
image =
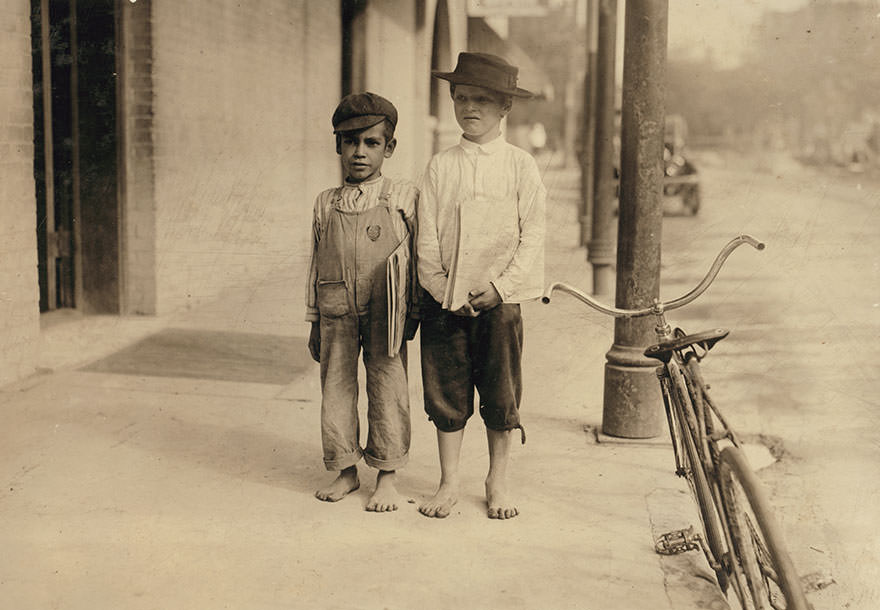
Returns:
point(337, 196)
point(385, 192)
point(335, 200)
point(385, 200)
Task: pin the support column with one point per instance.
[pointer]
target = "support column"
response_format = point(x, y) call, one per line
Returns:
point(586, 147)
point(138, 285)
point(601, 244)
point(48, 158)
point(632, 401)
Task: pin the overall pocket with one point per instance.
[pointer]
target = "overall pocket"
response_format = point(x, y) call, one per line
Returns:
point(332, 298)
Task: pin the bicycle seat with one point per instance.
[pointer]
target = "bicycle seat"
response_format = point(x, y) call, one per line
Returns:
point(706, 340)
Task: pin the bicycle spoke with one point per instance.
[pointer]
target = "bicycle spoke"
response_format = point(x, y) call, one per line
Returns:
point(758, 553)
point(765, 563)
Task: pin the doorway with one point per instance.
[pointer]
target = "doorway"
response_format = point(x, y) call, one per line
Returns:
point(73, 50)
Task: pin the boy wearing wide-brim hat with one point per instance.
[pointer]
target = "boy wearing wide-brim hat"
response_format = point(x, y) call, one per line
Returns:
point(481, 254)
point(356, 227)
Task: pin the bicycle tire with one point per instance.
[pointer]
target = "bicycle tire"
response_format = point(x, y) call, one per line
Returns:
point(759, 550)
point(698, 480)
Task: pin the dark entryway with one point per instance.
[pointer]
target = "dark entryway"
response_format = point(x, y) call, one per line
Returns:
point(75, 153)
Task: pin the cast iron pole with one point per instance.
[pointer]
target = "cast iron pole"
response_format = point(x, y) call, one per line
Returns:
point(601, 245)
point(632, 404)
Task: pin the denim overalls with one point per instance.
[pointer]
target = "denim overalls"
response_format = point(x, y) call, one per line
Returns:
point(352, 301)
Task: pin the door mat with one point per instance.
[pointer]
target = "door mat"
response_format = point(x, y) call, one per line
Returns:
point(206, 354)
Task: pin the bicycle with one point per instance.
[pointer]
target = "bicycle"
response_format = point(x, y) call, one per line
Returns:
point(741, 540)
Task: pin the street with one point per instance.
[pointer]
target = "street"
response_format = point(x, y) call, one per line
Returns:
point(171, 461)
point(808, 305)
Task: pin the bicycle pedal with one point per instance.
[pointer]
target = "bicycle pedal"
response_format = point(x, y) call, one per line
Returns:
point(678, 541)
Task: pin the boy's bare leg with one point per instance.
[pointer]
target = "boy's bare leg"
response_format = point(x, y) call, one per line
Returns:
point(500, 505)
point(344, 484)
point(440, 505)
point(385, 498)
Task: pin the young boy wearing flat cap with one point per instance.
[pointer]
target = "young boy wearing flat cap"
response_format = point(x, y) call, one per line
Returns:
point(481, 254)
point(356, 227)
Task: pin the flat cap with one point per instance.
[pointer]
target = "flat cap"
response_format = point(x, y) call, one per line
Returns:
point(362, 110)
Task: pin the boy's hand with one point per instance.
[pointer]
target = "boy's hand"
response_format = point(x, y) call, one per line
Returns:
point(467, 311)
point(315, 341)
point(483, 299)
point(409, 329)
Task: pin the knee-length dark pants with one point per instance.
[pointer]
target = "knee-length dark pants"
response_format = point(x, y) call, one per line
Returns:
point(460, 354)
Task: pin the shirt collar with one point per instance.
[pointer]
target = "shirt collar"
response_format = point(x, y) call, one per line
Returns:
point(488, 148)
point(362, 186)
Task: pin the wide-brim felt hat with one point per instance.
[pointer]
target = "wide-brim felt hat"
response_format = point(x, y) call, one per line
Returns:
point(487, 71)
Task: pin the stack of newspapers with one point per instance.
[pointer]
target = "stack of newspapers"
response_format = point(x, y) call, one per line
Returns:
point(485, 243)
point(397, 270)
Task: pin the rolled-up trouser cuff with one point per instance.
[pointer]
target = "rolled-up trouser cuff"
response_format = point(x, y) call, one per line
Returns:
point(522, 431)
point(393, 464)
point(345, 461)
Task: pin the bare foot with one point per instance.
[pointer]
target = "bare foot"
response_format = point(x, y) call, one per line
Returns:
point(385, 498)
point(344, 484)
point(440, 505)
point(500, 506)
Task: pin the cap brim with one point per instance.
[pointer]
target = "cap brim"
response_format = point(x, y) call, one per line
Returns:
point(359, 122)
point(458, 79)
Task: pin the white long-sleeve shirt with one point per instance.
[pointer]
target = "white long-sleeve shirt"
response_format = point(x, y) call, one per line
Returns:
point(481, 220)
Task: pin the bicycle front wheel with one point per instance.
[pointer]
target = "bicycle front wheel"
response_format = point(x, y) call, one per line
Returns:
point(759, 552)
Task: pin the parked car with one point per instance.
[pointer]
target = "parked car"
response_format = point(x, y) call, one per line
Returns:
point(681, 179)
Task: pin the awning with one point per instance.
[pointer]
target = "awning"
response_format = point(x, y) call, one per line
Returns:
point(483, 39)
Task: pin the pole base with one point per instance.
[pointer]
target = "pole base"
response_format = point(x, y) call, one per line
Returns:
point(632, 403)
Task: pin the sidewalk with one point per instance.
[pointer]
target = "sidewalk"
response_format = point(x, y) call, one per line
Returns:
point(170, 463)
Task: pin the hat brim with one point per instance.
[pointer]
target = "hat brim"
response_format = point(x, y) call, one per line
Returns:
point(359, 122)
point(459, 79)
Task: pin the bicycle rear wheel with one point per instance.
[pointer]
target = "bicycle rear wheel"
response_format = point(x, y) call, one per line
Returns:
point(759, 552)
point(695, 472)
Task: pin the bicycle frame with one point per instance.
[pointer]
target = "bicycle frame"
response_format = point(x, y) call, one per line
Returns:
point(695, 461)
point(685, 400)
point(664, 332)
point(698, 430)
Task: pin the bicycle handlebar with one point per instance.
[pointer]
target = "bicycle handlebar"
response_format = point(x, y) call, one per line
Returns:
point(658, 306)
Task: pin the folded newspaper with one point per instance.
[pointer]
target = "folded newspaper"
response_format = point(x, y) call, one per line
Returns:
point(485, 244)
point(397, 269)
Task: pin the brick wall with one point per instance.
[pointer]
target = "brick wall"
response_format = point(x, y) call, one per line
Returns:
point(19, 292)
point(242, 95)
